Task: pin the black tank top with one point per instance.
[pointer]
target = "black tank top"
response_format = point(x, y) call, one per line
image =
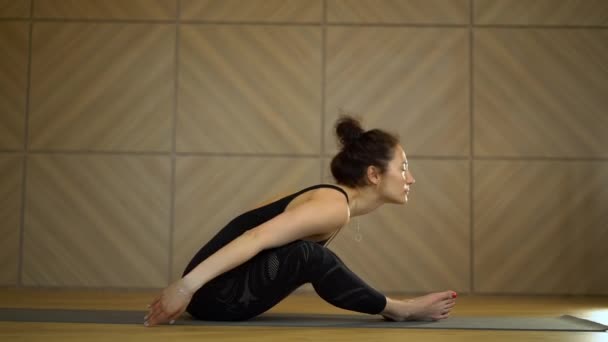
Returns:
point(249, 220)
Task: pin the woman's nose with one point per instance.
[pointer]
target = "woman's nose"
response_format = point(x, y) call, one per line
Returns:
point(410, 178)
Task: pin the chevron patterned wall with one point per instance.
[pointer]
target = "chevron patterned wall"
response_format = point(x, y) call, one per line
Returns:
point(131, 131)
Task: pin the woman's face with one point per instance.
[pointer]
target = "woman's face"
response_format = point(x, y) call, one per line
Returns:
point(397, 180)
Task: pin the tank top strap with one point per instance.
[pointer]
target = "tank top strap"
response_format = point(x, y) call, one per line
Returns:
point(334, 187)
point(325, 243)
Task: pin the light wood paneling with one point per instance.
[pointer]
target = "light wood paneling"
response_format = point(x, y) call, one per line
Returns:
point(541, 93)
point(13, 83)
point(541, 227)
point(104, 75)
point(102, 86)
point(106, 9)
point(422, 246)
point(100, 221)
point(15, 8)
point(541, 12)
point(414, 81)
point(398, 11)
point(211, 191)
point(246, 89)
point(11, 182)
point(291, 11)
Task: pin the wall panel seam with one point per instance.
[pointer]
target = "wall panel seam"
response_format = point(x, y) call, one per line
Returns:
point(25, 150)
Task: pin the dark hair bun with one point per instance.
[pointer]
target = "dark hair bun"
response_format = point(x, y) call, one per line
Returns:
point(348, 130)
point(359, 150)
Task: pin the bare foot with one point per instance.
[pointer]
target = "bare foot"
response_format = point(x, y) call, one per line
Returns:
point(432, 307)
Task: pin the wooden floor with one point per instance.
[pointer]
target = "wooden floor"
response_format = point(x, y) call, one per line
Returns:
point(594, 308)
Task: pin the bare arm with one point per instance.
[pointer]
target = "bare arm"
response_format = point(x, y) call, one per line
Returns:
point(316, 216)
point(310, 218)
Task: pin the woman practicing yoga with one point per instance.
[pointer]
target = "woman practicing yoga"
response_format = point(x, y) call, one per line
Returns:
point(264, 254)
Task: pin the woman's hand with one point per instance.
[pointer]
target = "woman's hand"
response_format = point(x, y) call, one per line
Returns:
point(171, 303)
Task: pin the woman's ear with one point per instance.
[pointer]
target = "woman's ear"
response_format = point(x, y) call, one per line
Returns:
point(373, 175)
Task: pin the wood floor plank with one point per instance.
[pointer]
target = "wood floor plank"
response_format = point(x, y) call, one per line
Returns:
point(594, 308)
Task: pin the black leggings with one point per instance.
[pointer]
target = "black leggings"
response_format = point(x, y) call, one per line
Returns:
point(257, 285)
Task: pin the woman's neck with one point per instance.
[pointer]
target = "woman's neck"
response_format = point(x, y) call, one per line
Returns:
point(362, 200)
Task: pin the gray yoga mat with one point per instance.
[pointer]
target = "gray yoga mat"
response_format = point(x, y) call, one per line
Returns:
point(562, 323)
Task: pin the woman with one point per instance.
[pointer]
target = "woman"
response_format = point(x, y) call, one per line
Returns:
point(263, 255)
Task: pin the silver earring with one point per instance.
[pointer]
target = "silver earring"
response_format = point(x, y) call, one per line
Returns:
point(358, 235)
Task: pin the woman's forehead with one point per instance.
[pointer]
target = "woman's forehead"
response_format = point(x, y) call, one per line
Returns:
point(400, 156)
point(401, 153)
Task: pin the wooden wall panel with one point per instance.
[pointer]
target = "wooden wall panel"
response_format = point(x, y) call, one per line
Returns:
point(247, 92)
point(11, 182)
point(99, 221)
point(15, 8)
point(414, 81)
point(541, 92)
point(106, 9)
point(249, 89)
point(101, 86)
point(542, 12)
point(541, 227)
point(13, 83)
point(211, 191)
point(292, 11)
point(422, 246)
point(398, 11)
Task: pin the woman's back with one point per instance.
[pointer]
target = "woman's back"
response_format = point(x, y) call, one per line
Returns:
point(259, 215)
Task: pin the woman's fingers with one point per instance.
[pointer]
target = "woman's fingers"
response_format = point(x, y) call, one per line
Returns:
point(156, 318)
point(174, 317)
point(166, 308)
point(157, 314)
point(153, 310)
point(148, 318)
point(152, 307)
point(162, 317)
point(156, 300)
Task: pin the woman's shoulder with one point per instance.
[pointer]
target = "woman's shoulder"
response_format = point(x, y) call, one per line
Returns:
point(331, 197)
point(329, 192)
